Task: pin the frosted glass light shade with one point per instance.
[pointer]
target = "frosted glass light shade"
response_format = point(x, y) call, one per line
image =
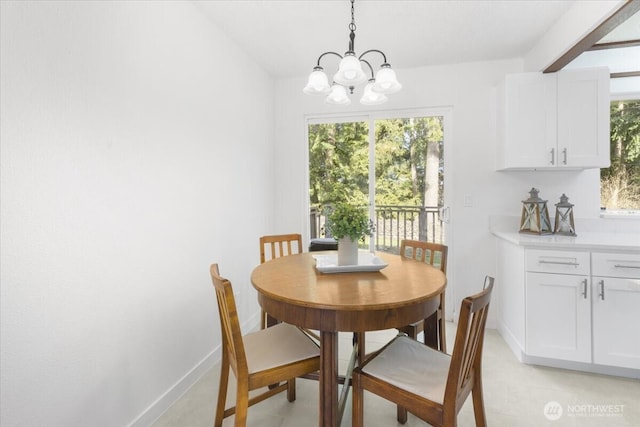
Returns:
point(386, 81)
point(338, 96)
point(318, 83)
point(350, 71)
point(369, 97)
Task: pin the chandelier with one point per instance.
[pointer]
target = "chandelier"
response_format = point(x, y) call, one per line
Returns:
point(350, 74)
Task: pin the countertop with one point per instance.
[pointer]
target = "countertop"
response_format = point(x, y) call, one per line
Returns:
point(585, 240)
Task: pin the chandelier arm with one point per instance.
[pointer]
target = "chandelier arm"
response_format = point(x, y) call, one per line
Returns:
point(370, 67)
point(328, 53)
point(384, 57)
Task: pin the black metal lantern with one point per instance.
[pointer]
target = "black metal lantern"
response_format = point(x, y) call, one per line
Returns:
point(535, 215)
point(564, 224)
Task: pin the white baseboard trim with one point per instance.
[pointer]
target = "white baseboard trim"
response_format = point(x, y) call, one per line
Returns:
point(522, 357)
point(511, 341)
point(169, 397)
point(585, 367)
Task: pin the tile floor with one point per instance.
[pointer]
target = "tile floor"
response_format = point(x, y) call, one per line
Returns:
point(515, 395)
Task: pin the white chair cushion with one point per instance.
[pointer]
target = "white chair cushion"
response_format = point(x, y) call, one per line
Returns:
point(412, 366)
point(276, 346)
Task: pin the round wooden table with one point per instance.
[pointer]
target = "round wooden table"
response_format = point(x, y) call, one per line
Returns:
point(292, 290)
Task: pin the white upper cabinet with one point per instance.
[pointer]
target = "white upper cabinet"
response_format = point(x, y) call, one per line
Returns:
point(583, 118)
point(554, 121)
point(527, 117)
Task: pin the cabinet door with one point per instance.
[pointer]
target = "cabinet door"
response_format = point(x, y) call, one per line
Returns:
point(558, 316)
point(583, 118)
point(616, 318)
point(527, 111)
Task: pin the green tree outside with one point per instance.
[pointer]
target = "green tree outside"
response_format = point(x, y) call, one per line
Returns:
point(338, 163)
point(620, 183)
point(408, 162)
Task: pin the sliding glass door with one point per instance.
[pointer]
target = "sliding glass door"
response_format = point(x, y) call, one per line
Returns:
point(393, 163)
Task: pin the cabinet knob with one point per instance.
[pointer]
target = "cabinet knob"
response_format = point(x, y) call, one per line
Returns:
point(601, 282)
point(553, 156)
point(564, 156)
point(584, 288)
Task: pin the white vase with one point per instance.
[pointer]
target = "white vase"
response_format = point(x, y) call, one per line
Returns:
point(347, 251)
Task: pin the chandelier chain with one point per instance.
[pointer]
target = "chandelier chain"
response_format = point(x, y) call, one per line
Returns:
point(352, 26)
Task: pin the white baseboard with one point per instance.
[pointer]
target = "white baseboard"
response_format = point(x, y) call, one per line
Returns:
point(585, 367)
point(518, 351)
point(513, 343)
point(169, 397)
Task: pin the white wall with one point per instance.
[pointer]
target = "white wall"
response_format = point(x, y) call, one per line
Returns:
point(470, 90)
point(135, 150)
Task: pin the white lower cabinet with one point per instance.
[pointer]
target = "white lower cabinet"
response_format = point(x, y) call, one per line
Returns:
point(558, 317)
point(558, 305)
point(581, 309)
point(616, 309)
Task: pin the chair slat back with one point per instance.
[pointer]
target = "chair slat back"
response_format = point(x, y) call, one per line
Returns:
point(431, 253)
point(467, 351)
point(229, 323)
point(277, 245)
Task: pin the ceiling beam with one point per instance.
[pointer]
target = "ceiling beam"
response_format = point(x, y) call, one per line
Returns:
point(621, 15)
point(615, 45)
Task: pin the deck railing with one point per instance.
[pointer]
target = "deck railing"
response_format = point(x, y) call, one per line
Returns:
point(393, 224)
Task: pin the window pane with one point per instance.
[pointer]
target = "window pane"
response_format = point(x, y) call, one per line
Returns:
point(338, 163)
point(409, 180)
point(620, 183)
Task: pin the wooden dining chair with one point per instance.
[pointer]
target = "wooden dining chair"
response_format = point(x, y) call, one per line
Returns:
point(428, 383)
point(275, 246)
point(434, 254)
point(260, 359)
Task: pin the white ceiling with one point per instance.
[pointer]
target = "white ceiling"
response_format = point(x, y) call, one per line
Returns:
point(286, 37)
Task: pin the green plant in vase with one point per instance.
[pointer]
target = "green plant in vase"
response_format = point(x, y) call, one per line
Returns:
point(348, 224)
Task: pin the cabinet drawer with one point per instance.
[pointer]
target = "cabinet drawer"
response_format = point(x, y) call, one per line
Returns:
point(616, 265)
point(563, 262)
